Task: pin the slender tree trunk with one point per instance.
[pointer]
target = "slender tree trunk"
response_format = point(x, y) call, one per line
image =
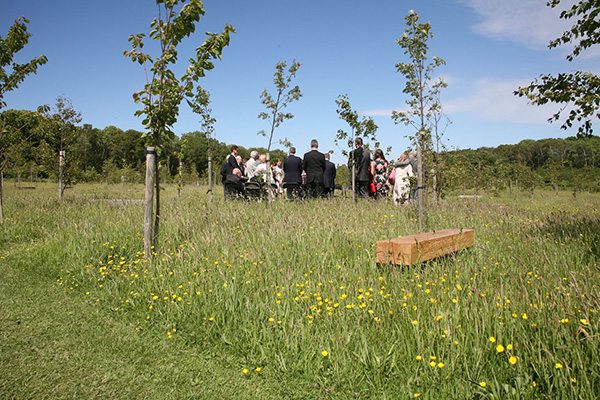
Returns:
point(435, 189)
point(475, 188)
point(353, 172)
point(180, 178)
point(420, 186)
point(149, 204)
point(61, 176)
point(210, 180)
point(157, 209)
point(1, 196)
point(517, 188)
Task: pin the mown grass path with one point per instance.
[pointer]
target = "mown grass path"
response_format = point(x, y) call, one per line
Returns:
point(53, 346)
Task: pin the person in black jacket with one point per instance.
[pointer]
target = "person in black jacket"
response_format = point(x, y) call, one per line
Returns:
point(314, 166)
point(328, 177)
point(229, 165)
point(292, 169)
point(361, 158)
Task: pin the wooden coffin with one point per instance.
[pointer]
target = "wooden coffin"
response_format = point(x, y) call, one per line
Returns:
point(424, 246)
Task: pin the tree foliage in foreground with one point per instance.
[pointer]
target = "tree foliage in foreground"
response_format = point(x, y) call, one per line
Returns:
point(164, 92)
point(579, 90)
point(15, 41)
point(11, 76)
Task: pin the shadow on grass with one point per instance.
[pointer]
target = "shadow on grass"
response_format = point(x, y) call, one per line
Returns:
point(568, 229)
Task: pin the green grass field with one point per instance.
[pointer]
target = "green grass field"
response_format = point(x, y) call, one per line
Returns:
point(248, 301)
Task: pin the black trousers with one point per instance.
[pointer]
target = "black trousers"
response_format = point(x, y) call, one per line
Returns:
point(362, 188)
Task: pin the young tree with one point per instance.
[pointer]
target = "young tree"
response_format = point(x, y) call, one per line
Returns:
point(200, 106)
point(358, 127)
point(62, 130)
point(579, 89)
point(275, 114)
point(164, 92)
point(439, 123)
point(419, 87)
point(11, 76)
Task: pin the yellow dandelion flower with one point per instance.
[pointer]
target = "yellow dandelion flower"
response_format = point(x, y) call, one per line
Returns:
point(509, 347)
point(257, 369)
point(419, 358)
point(482, 384)
point(499, 348)
point(512, 360)
point(493, 339)
point(433, 363)
point(584, 321)
point(441, 365)
point(558, 366)
point(324, 353)
point(244, 371)
point(415, 322)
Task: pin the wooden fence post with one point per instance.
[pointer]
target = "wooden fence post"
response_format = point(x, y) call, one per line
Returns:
point(61, 175)
point(149, 204)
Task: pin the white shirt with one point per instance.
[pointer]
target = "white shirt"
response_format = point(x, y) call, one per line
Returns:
point(251, 167)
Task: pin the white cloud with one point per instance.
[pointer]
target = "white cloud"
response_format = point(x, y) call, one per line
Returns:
point(490, 100)
point(531, 23)
point(493, 100)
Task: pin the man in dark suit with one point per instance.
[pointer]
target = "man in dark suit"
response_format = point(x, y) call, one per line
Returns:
point(229, 165)
point(292, 169)
point(361, 158)
point(314, 166)
point(234, 185)
point(328, 177)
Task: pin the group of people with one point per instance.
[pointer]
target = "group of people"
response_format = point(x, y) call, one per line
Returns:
point(313, 176)
point(374, 179)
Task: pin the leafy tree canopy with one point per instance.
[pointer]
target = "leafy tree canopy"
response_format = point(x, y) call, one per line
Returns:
point(12, 73)
point(579, 90)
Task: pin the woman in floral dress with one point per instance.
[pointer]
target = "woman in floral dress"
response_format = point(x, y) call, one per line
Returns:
point(379, 171)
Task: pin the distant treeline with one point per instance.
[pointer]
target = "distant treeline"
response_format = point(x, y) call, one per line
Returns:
point(113, 155)
point(110, 154)
point(566, 164)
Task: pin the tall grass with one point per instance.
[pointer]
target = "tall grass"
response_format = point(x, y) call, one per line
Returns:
point(292, 290)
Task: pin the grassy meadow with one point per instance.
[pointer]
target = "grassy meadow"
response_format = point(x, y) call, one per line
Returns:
point(246, 300)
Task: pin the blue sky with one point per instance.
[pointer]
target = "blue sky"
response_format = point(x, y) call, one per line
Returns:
point(346, 47)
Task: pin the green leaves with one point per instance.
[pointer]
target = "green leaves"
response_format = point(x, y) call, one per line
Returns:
point(358, 127)
point(15, 41)
point(274, 107)
point(164, 92)
point(580, 90)
point(424, 94)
